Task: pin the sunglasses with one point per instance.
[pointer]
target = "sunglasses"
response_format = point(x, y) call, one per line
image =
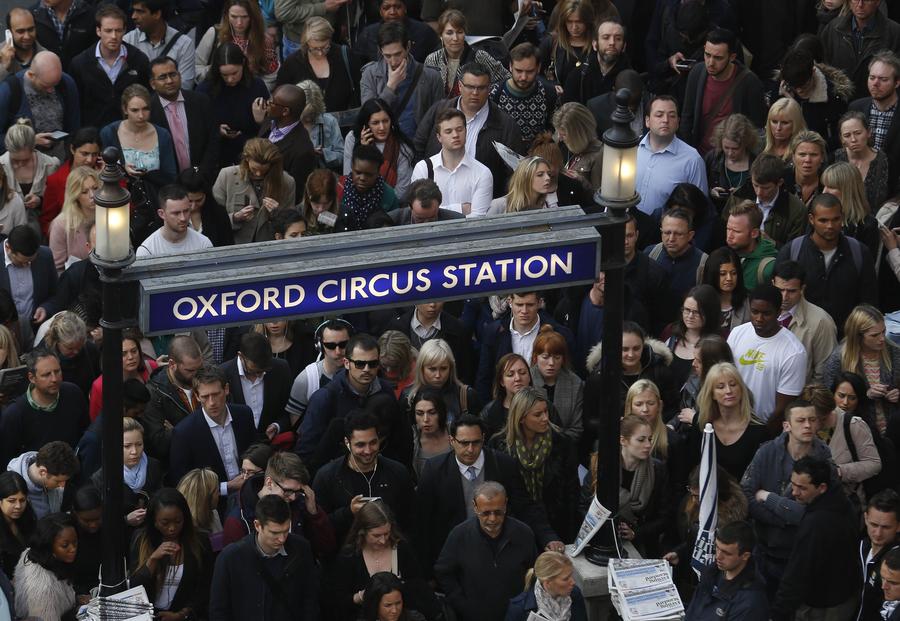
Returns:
point(330, 346)
point(362, 364)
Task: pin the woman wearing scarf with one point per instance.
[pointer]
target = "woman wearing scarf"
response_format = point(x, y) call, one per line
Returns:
point(545, 456)
point(364, 192)
point(376, 125)
point(549, 591)
point(143, 475)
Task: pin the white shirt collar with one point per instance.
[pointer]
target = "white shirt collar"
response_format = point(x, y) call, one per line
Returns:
point(512, 328)
point(213, 424)
point(478, 465)
point(6, 254)
point(415, 323)
point(240, 366)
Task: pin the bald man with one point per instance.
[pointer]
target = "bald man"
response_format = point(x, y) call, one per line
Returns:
point(19, 53)
point(280, 119)
point(47, 96)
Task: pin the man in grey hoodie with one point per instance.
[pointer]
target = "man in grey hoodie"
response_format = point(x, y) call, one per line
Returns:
point(46, 472)
point(767, 486)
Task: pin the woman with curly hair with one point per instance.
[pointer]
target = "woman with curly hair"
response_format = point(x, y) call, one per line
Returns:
point(42, 579)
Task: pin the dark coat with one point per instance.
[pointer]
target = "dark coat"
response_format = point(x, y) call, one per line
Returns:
point(215, 223)
point(525, 602)
point(872, 594)
point(840, 287)
point(497, 342)
point(587, 81)
point(277, 384)
point(454, 333)
point(479, 578)
point(743, 599)
point(66, 90)
point(498, 126)
point(193, 445)
point(823, 569)
point(203, 133)
point(193, 591)
point(769, 27)
point(79, 34)
point(166, 406)
point(80, 283)
point(131, 500)
point(837, 40)
point(101, 100)
point(239, 570)
point(422, 38)
point(891, 145)
point(747, 99)
point(336, 485)
point(298, 153)
point(602, 107)
point(561, 488)
point(43, 274)
point(441, 503)
point(787, 219)
point(404, 215)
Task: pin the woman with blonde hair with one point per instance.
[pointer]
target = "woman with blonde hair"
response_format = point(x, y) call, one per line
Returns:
point(569, 45)
point(785, 120)
point(12, 208)
point(866, 351)
point(843, 180)
point(529, 186)
point(243, 25)
point(374, 544)
point(725, 402)
point(69, 230)
point(323, 128)
point(576, 128)
point(808, 152)
point(550, 592)
point(564, 190)
point(319, 196)
point(435, 368)
point(735, 145)
point(546, 458)
point(252, 190)
point(79, 358)
point(857, 149)
point(200, 488)
point(26, 168)
point(455, 53)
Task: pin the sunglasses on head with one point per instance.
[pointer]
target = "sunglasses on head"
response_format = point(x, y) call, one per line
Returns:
point(330, 346)
point(362, 364)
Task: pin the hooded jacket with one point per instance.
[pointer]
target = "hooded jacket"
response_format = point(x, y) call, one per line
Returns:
point(42, 500)
point(777, 518)
point(741, 599)
point(828, 100)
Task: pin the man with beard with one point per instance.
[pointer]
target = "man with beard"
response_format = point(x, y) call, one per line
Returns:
point(18, 55)
point(598, 75)
point(527, 99)
point(881, 110)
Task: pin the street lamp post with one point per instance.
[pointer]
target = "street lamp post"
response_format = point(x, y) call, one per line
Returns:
point(112, 253)
point(617, 194)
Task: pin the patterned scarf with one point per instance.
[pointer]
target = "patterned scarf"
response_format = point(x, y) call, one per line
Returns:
point(391, 160)
point(531, 462)
point(633, 502)
point(358, 207)
point(887, 609)
point(553, 607)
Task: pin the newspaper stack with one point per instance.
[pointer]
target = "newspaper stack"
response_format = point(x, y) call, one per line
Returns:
point(642, 590)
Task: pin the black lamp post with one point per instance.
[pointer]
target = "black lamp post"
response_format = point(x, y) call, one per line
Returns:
point(112, 253)
point(617, 194)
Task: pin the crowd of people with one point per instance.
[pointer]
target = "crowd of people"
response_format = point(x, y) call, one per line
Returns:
point(432, 462)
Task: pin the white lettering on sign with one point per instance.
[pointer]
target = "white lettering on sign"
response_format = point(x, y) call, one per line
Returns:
point(386, 284)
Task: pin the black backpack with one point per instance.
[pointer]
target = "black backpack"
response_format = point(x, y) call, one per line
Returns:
point(887, 477)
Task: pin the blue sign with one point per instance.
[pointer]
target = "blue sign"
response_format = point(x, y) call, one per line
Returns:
point(353, 290)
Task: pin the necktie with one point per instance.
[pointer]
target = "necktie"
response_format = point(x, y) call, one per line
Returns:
point(786, 322)
point(182, 151)
point(470, 473)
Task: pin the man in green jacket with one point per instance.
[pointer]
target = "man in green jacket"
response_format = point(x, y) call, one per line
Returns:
point(743, 235)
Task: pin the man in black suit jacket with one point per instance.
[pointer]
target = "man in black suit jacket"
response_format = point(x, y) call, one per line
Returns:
point(261, 382)
point(431, 317)
point(604, 105)
point(280, 118)
point(444, 499)
point(884, 79)
point(21, 250)
point(192, 107)
point(212, 436)
point(101, 97)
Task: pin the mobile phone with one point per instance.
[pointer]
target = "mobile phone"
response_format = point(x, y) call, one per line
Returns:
point(9, 39)
point(58, 135)
point(370, 498)
point(685, 64)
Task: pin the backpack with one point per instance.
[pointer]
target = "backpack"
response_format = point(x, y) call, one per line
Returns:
point(855, 250)
point(657, 251)
point(887, 477)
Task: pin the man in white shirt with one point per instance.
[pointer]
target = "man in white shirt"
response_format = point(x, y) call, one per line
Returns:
point(176, 235)
point(771, 360)
point(466, 184)
point(155, 38)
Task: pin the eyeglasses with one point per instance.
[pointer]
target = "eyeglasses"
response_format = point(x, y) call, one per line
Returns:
point(165, 77)
point(319, 50)
point(288, 491)
point(272, 102)
point(475, 89)
point(329, 345)
point(246, 473)
point(362, 364)
point(469, 443)
point(494, 513)
point(690, 312)
point(863, 1)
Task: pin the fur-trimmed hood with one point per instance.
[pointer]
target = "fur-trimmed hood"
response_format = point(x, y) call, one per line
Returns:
point(39, 593)
point(829, 82)
point(655, 352)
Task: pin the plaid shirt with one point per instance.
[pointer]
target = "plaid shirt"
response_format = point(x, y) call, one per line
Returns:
point(60, 26)
point(880, 123)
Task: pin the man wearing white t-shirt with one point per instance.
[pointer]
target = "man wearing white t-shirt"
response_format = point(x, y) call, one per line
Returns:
point(176, 235)
point(771, 360)
point(466, 184)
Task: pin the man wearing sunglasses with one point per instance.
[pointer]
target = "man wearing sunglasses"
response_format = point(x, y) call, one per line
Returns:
point(331, 340)
point(355, 387)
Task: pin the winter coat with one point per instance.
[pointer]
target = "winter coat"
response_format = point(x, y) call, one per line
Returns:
point(787, 219)
point(868, 463)
point(829, 97)
point(166, 405)
point(747, 99)
point(742, 599)
point(840, 51)
point(40, 593)
point(524, 603)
